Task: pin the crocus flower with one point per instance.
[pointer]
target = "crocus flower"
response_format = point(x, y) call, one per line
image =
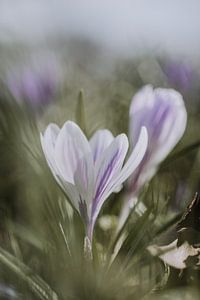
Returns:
point(179, 74)
point(163, 113)
point(89, 171)
point(36, 87)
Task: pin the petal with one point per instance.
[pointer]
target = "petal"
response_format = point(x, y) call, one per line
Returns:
point(130, 166)
point(71, 146)
point(140, 112)
point(48, 141)
point(84, 179)
point(99, 142)
point(105, 188)
point(163, 113)
point(135, 157)
point(142, 99)
point(108, 168)
point(174, 126)
point(71, 192)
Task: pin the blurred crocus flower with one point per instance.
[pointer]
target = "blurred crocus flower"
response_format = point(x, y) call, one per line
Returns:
point(163, 113)
point(89, 171)
point(35, 86)
point(179, 74)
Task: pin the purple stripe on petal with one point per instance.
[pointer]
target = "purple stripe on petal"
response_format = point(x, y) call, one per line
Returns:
point(83, 210)
point(160, 118)
point(104, 181)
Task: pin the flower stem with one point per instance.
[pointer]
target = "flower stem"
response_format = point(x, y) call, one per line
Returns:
point(88, 249)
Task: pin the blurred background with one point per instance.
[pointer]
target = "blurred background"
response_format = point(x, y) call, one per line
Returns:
point(124, 27)
point(128, 42)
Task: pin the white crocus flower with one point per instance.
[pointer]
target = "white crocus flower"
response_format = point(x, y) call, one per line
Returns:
point(89, 171)
point(162, 112)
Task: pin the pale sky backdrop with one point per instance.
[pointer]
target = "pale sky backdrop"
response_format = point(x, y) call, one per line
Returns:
point(124, 26)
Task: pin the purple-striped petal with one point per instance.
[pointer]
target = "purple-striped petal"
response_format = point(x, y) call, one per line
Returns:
point(131, 164)
point(107, 168)
point(84, 181)
point(173, 125)
point(163, 113)
point(112, 175)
